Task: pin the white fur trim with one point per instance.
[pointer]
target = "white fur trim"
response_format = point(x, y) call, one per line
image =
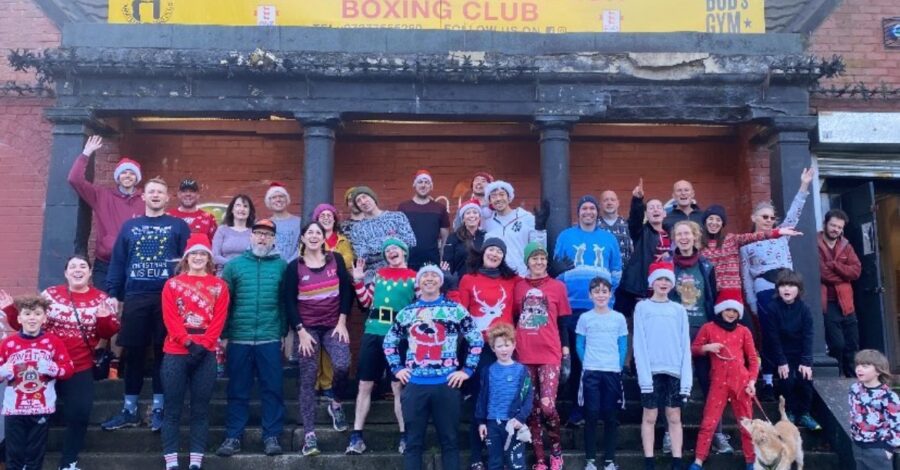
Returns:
point(660, 273)
point(197, 247)
point(126, 166)
point(500, 184)
point(423, 176)
point(429, 268)
point(732, 304)
point(277, 190)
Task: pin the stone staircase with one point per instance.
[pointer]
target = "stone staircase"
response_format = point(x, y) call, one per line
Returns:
point(138, 448)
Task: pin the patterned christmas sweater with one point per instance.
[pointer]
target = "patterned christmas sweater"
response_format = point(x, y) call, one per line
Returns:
point(726, 259)
point(63, 324)
point(390, 291)
point(367, 235)
point(874, 416)
point(145, 255)
point(195, 308)
point(432, 329)
point(198, 221)
point(488, 299)
point(31, 365)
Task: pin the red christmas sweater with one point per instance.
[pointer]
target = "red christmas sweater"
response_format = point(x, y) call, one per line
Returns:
point(62, 322)
point(736, 364)
point(199, 221)
point(489, 300)
point(726, 259)
point(194, 307)
point(31, 366)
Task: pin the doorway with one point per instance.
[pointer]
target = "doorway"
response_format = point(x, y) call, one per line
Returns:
point(887, 212)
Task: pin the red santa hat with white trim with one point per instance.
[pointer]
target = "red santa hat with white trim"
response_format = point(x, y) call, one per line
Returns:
point(422, 175)
point(730, 299)
point(126, 164)
point(276, 188)
point(660, 270)
point(198, 242)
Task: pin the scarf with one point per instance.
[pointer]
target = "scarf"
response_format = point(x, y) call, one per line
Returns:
point(492, 273)
point(725, 325)
point(687, 261)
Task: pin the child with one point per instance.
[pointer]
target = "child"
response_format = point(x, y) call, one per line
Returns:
point(874, 412)
point(504, 402)
point(788, 337)
point(601, 344)
point(662, 354)
point(31, 362)
point(734, 367)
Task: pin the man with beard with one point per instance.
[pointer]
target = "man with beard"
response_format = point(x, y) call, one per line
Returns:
point(685, 207)
point(376, 226)
point(143, 258)
point(839, 266)
point(197, 219)
point(429, 221)
point(612, 222)
point(255, 327)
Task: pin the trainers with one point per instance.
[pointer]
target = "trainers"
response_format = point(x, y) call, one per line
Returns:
point(610, 466)
point(338, 420)
point(356, 447)
point(477, 466)
point(576, 419)
point(539, 466)
point(271, 446)
point(156, 419)
point(71, 466)
point(556, 462)
point(401, 446)
point(589, 465)
point(125, 419)
point(767, 392)
point(808, 422)
point(194, 467)
point(694, 466)
point(667, 443)
point(310, 445)
point(229, 447)
point(791, 417)
point(721, 445)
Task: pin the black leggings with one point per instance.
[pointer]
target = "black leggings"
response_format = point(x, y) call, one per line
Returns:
point(179, 377)
point(77, 395)
point(135, 364)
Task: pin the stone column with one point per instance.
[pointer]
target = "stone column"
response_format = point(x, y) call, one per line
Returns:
point(555, 185)
point(318, 159)
point(67, 219)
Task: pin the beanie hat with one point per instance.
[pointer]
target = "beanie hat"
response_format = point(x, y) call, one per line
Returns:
point(363, 190)
point(500, 184)
point(587, 199)
point(349, 192)
point(429, 268)
point(127, 164)
point(532, 248)
point(392, 241)
point(276, 188)
point(322, 208)
point(494, 241)
point(422, 175)
point(661, 269)
point(715, 209)
point(197, 242)
point(730, 299)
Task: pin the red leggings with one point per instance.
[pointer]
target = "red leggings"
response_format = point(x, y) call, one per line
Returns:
point(545, 380)
point(741, 405)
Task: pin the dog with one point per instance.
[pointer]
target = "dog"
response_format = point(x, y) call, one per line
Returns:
point(777, 446)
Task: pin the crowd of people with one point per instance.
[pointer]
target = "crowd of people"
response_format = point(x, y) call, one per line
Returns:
point(659, 293)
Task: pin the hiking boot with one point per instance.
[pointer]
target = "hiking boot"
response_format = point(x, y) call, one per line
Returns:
point(401, 446)
point(808, 422)
point(589, 465)
point(310, 445)
point(767, 392)
point(556, 462)
point(229, 447)
point(338, 420)
point(156, 420)
point(125, 419)
point(667, 443)
point(356, 447)
point(271, 446)
point(721, 445)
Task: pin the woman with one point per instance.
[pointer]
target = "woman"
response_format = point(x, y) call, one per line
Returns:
point(541, 306)
point(465, 239)
point(80, 315)
point(327, 216)
point(233, 237)
point(763, 260)
point(318, 296)
point(195, 306)
point(487, 293)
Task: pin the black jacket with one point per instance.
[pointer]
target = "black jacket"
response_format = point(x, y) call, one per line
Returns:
point(456, 252)
point(646, 239)
point(677, 215)
point(788, 333)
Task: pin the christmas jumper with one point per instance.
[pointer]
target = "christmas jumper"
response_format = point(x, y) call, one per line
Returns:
point(726, 259)
point(662, 343)
point(432, 329)
point(874, 416)
point(145, 255)
point(590, 252)
point(763, 256)
point(619, 229)
point(489, 300)
point(367, 235)
point(195, 308)
point(62, 323)
point(649, 245)
point(199, 221)
point(516, 229)
point(391, 290)
point(541, 307)
point(31, 365)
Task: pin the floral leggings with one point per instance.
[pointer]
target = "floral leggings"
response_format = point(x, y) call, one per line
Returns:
point(545, 379)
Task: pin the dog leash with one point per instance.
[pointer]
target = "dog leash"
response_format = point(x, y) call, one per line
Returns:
point(759, 405)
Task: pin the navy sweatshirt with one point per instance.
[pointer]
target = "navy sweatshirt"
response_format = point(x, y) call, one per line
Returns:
point(145, 255)
point(789, 333)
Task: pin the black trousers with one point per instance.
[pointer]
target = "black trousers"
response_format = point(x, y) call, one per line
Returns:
point(26, 441)
point(842, 338)
point(797, 391)
point(441, 403)
point(178, 378)
point(77, 395)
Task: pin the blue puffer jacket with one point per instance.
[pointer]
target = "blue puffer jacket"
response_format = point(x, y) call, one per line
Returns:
point(256, 285)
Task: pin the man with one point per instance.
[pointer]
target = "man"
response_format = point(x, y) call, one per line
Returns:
point(516, 227)
point(355, 215)
point(429, 221)
point(431, 372)
point(143, 258)
point(255, 327)
point(590, 251)
point(839, 266)
point(479, 183)
point(111, 206)
point(287, 241)
point(685, 207)
point(197, 219)
point(612, 222)
point(368, 234)
point(651, 243)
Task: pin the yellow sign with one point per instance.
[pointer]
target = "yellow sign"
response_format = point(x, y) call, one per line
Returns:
point(537, 16)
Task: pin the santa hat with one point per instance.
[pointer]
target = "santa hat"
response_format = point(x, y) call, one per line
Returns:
point(422, 175)
point(276, 188)
point(489, 177)
point(500, 184)
point(730, 299)
point(197, 242)
point(470, 204)
point(429, 268)
point(661, 269)
point(127, 164)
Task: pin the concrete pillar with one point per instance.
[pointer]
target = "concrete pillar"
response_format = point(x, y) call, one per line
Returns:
point(318, 159)
point(555, 178)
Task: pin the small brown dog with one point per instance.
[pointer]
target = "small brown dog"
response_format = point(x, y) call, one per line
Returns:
point(777, 446)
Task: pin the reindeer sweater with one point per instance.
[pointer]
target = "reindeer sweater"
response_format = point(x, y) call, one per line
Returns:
point(31, 365)
point(488, 299)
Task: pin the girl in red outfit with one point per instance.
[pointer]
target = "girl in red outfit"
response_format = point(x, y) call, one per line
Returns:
point(79, 315)
point(542, 305)
point(735, 365)
point(194, 305)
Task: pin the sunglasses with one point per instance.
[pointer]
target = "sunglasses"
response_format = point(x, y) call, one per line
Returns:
point(768, 217)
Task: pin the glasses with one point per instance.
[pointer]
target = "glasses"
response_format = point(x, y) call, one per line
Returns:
point(263, 233)
point(768, 217)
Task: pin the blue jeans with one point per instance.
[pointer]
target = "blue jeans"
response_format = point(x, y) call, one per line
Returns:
point(245, 362)
point(513, 458)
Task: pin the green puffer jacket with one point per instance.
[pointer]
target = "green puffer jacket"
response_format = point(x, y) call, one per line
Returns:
point(255, 312)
